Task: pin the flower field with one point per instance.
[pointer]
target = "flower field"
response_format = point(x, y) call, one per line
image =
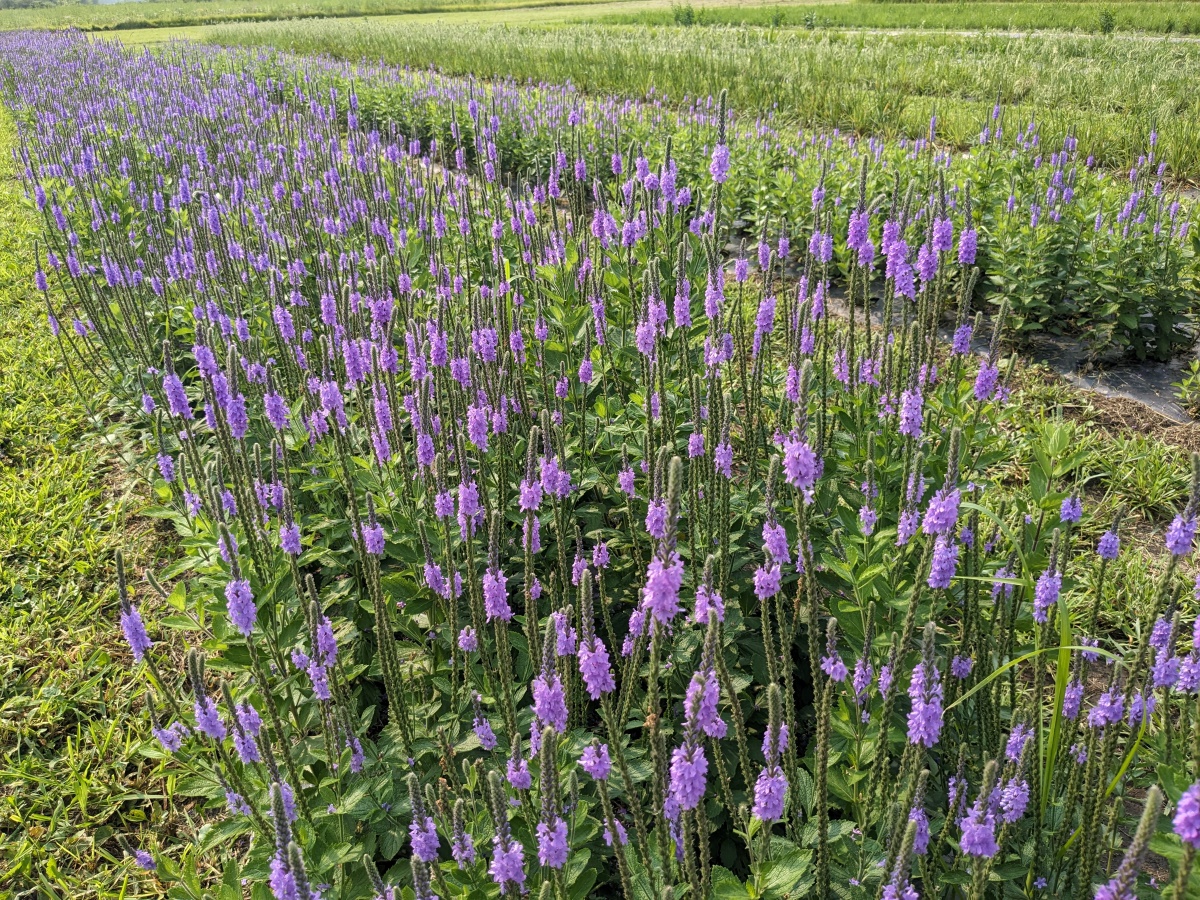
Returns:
point(579, 495)
point(1066, 244)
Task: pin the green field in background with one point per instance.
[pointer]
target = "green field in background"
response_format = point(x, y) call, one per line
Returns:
point(1110, 93)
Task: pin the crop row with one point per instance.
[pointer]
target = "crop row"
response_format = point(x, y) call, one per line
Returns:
point(1068, 245)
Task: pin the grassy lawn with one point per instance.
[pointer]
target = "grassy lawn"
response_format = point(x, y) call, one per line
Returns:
point(72, 731)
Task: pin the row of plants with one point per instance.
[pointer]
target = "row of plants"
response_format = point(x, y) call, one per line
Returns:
point(1066, 244)
point(1153, 17)
point(534, 547)
point(16, 15)
point(1109, 93)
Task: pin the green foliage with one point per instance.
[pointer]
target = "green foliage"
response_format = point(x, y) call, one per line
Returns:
point(181, 13)
point(1063, 247)
point(73, 769)
point(1109, 94)
point(1187, 389)
point(685, 14)
point(1137, 16)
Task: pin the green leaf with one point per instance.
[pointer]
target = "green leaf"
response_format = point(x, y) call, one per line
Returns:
point(869, 574)
point(1173, 782)
point(955, 877)
point(180, 622)
point(788, 873)
point(1009, 871)
point(1039, 483)
point(726, 886)
point(805, 790)
point(178, 596)
point(231, 881)
point(580, 878)
point(358, 801)
point(390, 843)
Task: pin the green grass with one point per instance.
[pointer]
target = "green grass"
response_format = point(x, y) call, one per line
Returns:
point(1115, 471)
point(72, 771)
point(1151, 17)
point(1143, 16)
point(484, 12)
point(153, 22)
point(1110, 93)
point(174, 13)
point(193, 16)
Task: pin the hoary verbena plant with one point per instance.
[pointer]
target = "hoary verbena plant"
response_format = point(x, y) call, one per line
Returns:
point(539, 547)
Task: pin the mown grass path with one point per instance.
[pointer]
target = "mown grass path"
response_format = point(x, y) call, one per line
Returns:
point(72, 727)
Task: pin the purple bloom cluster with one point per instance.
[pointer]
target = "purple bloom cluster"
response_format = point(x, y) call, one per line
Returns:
point(1187, 816)
point(925, 718)
point(688, 769)
point(135, 632)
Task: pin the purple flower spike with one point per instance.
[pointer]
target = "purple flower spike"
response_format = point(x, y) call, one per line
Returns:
point(508, 863)
point(595, 669)
point(135, 632)
point(1187, 817)
point(1072, 510)
point(944, 564)
point(688, 769)
point(925, 718)
point(1180, 535)
point(552, 843)
point(719, 167)
point(979, 832)
point(770, 792)
point(595, 761)
point(1109, 546)
point(911, 414)
point(495, 596)
point(240, 603)
point(423, 834)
